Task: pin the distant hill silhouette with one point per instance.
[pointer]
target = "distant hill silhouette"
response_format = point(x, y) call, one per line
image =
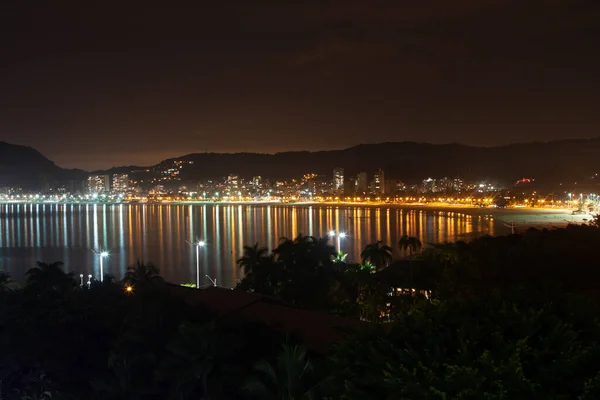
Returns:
point(555, 161)
point(26, 167)
point(409, 161)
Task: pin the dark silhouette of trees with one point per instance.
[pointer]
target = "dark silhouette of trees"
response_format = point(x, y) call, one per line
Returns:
point(378, 254)
point(446, 351)
point(295, 264)
point(195, 363)
point(289, 378)
point(140, 273)
point(409, 244)
point(49, 277)
point(504, 317)
point(253, 255)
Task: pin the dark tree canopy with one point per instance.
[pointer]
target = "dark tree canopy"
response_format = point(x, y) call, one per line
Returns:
point(511, 317)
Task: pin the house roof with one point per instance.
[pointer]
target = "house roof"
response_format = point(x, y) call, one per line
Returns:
point(317, 330)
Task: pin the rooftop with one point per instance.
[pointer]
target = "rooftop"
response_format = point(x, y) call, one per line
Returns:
point(317, 330)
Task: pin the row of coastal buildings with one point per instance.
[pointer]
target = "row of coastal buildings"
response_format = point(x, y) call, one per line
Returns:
point(114, 184)
point(360, 184)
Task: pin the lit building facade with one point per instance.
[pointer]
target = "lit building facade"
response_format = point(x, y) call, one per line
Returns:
point(379, 182)
point(338, 180)
point(361, 183)
point(120, 183)
point(233, 185)
point(98, 183)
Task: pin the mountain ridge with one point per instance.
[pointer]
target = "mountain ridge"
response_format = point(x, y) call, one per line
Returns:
point(26, 167)
point(407, 160)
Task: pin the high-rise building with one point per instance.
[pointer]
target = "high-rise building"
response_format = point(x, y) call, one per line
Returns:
point(256, 186)
point(379, 182)
point(361, 183)
point(350, 186)
point(120, 183)
point(77, 186)
point(233, 184)
point(338, 180)
point(391, 186)
point(98, 183)
point(430, 185)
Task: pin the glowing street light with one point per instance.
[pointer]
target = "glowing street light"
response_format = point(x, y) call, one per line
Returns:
point(102, 254)
point(198, 244)
point(339, 236)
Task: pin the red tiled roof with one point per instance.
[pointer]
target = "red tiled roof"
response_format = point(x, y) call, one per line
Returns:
point(317, 330)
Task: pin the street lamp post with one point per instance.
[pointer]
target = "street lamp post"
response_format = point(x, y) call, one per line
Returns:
point(570, 200)
point(339, 236)
point(198, 244)
point(102, 254)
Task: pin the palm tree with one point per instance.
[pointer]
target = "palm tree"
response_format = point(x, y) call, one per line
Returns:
point(410, 244)
point(49, 276)
point(253, 255)
point(193, 360)
point(378, 254)
point(288, 379)
point(307, 250)
point(306, 261)
point(140, 272)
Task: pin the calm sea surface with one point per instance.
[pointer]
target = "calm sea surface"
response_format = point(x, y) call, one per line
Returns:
point(159, 234)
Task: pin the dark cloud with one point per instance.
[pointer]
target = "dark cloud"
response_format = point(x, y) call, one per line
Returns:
point(98, 83)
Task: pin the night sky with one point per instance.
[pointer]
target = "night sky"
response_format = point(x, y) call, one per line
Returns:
point(92, 86)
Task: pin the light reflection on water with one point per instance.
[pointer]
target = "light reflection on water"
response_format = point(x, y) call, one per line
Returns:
point(160, 234)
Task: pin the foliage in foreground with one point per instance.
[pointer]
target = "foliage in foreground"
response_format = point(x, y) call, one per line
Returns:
point(60, 341)
point(489, 349)
point(493, 330)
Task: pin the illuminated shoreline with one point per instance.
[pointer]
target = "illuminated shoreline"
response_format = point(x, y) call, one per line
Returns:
point(521, 216)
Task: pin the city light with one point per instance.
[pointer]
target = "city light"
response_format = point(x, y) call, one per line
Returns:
point(129, 289)
point(339, 236)
point(365, 188)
